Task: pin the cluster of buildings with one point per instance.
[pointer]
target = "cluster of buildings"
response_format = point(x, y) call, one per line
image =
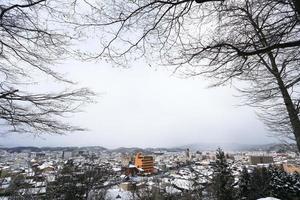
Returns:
point(172, 171)
point(138, 165)
point(178, 171)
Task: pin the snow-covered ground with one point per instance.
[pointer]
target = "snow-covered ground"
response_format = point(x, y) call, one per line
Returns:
point(118, 193)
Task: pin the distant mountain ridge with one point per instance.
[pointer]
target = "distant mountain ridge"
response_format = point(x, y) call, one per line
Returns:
point(193, 147)
point(145, 150)
point(90, 148)
point(40, 149)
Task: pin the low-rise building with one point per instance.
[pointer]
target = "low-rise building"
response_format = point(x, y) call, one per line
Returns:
point(291, 168)
point(254, 160)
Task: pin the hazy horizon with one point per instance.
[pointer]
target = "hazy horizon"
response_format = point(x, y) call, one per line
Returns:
point(145, 147)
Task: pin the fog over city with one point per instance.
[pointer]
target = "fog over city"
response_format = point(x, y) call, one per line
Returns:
point(146, 106)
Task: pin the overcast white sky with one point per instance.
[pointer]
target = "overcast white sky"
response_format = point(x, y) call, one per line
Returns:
point(147, 107)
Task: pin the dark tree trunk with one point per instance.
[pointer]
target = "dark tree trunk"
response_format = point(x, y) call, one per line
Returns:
point(292, 112)
point(290, 107)
point(297, 6)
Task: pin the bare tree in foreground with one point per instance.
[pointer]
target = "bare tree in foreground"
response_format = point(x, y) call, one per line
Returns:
point(31, 43)
point(251, 44)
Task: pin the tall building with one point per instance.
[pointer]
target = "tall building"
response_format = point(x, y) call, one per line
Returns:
point(144, 162)
point(187, 153)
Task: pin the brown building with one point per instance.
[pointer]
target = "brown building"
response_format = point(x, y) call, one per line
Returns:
point(291, 168)
point(254, 160)
point(130, 170)
point(144, 162)
point(128, 186)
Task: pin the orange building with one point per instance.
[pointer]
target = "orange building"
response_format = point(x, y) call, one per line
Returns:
point(144, 162)
point(291, 168)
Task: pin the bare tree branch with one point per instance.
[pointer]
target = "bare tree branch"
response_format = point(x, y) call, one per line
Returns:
point(252, 42)
point(31, 43)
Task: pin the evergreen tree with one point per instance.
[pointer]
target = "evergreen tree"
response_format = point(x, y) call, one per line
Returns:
point(272, 181)
point(222, 182)
point(244, 184)
point(259, 183)
point(284, 185)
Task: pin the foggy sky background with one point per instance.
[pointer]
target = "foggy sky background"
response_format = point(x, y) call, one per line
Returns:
point(148, 107)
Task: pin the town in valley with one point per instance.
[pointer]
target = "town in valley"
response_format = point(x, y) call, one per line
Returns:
point(125, 173)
